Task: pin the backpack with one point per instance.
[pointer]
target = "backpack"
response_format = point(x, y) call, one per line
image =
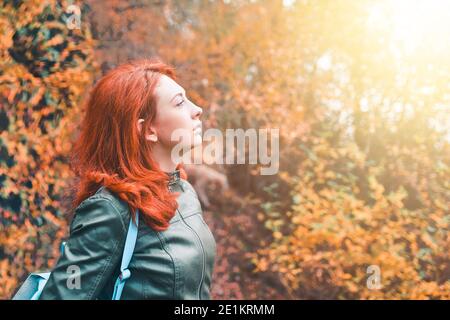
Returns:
point(33, 286)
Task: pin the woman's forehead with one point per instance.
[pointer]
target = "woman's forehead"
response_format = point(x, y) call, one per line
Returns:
point(167, 87)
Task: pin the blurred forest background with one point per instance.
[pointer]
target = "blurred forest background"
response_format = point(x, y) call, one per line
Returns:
point(359, 89)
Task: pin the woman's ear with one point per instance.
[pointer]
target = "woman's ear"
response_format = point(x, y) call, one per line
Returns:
point(139, 124)
point(152, 136)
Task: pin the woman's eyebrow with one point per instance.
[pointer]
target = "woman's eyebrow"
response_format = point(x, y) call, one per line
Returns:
point(178, 94)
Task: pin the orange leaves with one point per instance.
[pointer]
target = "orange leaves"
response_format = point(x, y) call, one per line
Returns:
point(376, 187)
point(44, 74)
point(58, 39)
point(8, 281)
point(335, 235)
point(365, 191)
point(37, 96)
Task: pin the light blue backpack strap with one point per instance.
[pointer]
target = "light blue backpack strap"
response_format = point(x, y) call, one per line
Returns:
point(32, 287)
point(126, 258)
point(42, 280)
point(62, 246)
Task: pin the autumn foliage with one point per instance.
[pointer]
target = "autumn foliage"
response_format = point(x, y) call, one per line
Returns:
point(45, 69)
point(364, 141)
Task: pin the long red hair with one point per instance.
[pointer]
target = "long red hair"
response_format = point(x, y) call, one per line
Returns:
point(110, 150)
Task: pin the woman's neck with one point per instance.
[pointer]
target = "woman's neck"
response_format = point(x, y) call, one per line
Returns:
point(164, 159)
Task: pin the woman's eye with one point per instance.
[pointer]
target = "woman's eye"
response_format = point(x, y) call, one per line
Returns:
point(180, 103)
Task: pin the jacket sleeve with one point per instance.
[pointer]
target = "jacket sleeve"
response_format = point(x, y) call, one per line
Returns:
point(93, 250)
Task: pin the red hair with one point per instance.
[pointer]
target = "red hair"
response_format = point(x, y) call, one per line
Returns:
point(110, 150)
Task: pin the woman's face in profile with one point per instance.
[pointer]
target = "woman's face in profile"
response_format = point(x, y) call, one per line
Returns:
point(177, 118)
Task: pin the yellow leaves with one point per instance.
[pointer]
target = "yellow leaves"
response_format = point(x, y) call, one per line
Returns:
point(442, 221)
point(260, 216)
point(376, 187)
point(21, 154)
point(7, 283)
point(327, 194)
point(9, 187)
point(6, 34)
point(37, 96)
point(296, 219)
point(50, 217)
point(285, 176)
point(396, 198)
point(344, 233)
point(426, 238)
point(330, 175)
point(318, 169)
point(438, 203)
point(273, 224)
point(361, 215)
point(352, 287)
point(261, 266)
point(348, 206)
point(58, 39)
point(49, 77)
point(277, 235)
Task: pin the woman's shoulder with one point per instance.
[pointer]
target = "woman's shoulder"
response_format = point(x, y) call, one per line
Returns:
point(187, 186)
point(104, 205)
point(105, 193)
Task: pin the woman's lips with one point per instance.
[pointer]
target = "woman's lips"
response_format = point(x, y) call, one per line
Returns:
point(198, 130)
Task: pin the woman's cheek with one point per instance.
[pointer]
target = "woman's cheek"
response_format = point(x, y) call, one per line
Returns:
point(178, 135)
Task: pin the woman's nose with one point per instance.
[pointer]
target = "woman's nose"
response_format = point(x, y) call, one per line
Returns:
point(198, 111)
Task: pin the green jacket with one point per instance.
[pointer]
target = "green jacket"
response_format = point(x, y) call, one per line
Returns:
point(173, 264)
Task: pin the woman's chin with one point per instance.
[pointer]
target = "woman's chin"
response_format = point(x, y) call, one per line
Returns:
point(193, 142)
point(198, 139)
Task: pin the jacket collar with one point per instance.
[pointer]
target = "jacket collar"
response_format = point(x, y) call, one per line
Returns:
point(174, 177)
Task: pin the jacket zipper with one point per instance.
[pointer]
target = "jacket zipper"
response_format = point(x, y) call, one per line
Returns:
point(203, 255)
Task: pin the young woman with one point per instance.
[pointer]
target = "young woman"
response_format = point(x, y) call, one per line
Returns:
point(123, 161)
